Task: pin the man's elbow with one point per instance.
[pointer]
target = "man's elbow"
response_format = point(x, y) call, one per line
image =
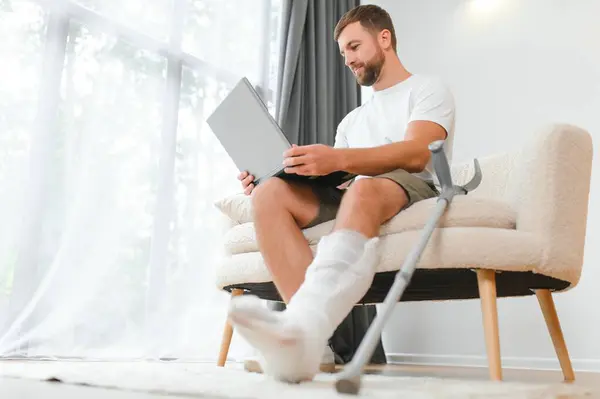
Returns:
point(419, 163)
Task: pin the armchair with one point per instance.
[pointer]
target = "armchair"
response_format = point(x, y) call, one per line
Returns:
point(525, 226)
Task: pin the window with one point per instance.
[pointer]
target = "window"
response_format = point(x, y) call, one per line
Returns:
point(108, 171)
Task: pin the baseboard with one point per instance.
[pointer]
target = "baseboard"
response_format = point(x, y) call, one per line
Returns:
point(591, 365)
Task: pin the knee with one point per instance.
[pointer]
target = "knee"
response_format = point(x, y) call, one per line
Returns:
point(364, 192)
point(381, 198)
point(270, 193)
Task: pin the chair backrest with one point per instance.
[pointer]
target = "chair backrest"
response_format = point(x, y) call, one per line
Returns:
point(499, 171)
point(547, 182)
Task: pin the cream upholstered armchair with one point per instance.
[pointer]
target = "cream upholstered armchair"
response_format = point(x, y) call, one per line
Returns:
point(520, 233)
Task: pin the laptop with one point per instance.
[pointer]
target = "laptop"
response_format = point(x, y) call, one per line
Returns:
point(254, 140)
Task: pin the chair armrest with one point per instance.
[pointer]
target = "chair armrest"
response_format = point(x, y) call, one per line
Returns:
point(553, 193)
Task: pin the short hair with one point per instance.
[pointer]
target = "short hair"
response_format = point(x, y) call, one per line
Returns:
point(371, 17)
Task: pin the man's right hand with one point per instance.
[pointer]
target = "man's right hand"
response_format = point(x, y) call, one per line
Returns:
point(246, 180)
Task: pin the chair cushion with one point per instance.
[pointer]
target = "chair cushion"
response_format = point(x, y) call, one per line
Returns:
point(454, 247)
point(464, 211)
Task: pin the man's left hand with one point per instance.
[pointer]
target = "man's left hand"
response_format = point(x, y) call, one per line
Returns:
point(311, 160)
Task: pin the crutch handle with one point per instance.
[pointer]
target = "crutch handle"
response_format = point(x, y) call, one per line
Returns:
point(440, 165)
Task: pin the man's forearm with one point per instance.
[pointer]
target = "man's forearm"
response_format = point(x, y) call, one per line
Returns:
point(411, 156)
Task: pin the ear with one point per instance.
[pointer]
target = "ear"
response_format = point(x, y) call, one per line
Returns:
point(385, 39)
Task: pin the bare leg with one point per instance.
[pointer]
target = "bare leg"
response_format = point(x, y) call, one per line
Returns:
point(280, 210)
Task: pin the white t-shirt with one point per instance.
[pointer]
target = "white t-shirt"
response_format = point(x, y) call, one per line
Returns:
point(384, 117)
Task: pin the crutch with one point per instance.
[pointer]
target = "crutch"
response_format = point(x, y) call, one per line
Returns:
point(348, 380)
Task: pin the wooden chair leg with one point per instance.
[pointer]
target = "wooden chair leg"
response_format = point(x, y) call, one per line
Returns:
point(486, 280)
point(549, 310)
point(227, 334)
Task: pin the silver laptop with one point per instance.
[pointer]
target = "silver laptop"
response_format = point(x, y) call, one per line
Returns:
point(254, 140)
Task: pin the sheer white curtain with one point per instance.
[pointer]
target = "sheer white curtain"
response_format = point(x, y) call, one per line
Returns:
point(108, 171)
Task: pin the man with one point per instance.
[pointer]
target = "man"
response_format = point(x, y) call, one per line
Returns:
point(385, 142)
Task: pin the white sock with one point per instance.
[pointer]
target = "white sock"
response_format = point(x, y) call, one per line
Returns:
point(291, 342)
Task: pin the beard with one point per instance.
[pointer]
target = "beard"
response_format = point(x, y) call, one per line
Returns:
point(371, 70)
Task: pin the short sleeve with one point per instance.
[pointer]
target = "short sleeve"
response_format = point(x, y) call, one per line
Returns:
point(341, 141)
point(434, 102)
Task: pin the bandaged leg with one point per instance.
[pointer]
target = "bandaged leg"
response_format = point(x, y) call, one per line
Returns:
point(291, 342)
point(341, 274)
point(283, 345)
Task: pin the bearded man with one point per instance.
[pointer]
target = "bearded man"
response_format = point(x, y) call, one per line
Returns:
point(385, 142)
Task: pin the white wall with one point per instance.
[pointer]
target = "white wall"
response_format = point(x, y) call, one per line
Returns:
point(513, 66)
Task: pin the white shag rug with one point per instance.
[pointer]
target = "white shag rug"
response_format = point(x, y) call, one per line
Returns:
point(208, 381)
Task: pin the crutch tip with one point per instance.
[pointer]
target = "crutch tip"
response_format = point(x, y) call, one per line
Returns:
point(349, 386)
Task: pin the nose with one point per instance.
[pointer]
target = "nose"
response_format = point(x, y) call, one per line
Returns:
point(349, 60)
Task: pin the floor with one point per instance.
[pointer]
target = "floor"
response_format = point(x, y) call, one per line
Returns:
point(587, 380)
point(28, 389)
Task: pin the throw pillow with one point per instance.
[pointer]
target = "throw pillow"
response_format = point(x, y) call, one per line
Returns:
point(237, 207)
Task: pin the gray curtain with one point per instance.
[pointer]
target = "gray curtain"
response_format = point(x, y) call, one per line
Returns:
point(315, 91)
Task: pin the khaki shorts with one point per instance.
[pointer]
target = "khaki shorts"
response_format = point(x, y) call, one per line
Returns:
point(330, 198)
